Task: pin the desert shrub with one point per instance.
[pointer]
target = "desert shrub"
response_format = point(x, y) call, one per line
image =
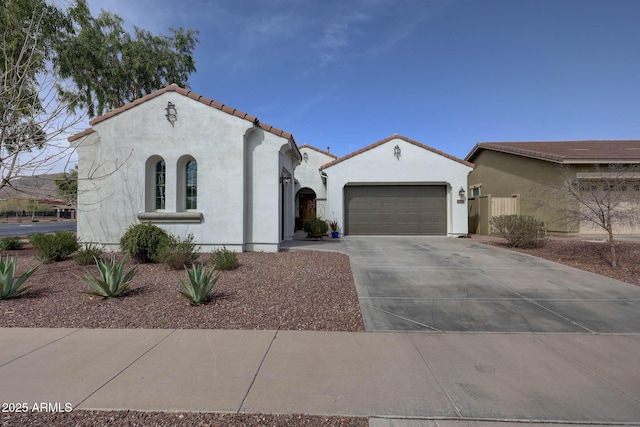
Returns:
point(521, 231)
point(315, 226)
point(224, 259)
point(9, 286)
point(112, 281)
point(200, 283)
point(144, 242)
point(54, 247)
point(88, 254)
point(179, 253)
point(11, 244)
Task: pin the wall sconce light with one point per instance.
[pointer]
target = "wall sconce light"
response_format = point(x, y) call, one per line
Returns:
point(305, 157)
point(285, 178)
point(461, 193)
point(172, 113)
point(397, 152)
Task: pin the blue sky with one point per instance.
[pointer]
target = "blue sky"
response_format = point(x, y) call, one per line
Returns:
point(447, 73)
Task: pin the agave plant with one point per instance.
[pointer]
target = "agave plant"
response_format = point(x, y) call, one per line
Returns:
point(112, 282)
point(9, 286)
point(199, 285)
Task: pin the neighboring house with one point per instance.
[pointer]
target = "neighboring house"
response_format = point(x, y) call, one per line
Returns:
point(521, 169)
point(396, 186)
point(191, 164)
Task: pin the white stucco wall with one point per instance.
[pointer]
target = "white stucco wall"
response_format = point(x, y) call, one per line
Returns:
point(416, 165)
point(307, 175)
point(308, 172)
point(238, 174)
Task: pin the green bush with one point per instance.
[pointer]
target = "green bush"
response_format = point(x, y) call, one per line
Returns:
point(112, 282)
point(224, 259)
point(200, 283)
point(54, 247)
point(315, 226)
point(88, 254)
point(521, 231)
point(9, 286)
point(179, 253)
point(11, 244)
point(144, 242)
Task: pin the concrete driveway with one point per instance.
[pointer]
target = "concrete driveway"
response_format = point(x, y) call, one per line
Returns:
point(459, 285)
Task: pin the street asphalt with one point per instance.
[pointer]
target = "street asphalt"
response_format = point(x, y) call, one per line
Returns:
point(467, 335)
point(43, 226)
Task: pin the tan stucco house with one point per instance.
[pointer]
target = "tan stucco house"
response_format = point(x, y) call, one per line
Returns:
point(519, 170)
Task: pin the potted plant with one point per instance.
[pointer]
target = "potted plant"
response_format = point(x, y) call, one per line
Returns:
point(315, 227)
point(334, 227)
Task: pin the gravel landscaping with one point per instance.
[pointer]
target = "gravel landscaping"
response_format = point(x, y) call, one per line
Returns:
point(297, 290)
point(167, 419)
point(589, 254)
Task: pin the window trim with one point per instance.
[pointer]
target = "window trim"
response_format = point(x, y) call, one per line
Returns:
point(150, 178)
point(182, 184)
point(475, 187)
point(171, 217)
point(191, 191)
point(160, 185)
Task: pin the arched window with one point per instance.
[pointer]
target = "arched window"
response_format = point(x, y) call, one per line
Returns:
point(160, 185)
point(187, 184)
point(191, 190)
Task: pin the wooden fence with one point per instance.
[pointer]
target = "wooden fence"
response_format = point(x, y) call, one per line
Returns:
point(485, 207)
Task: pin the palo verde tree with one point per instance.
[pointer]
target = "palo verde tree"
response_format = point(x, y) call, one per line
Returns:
point(605, 197)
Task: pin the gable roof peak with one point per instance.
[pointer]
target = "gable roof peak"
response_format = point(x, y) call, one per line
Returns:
point(391, 138)
point(326, 153)
point(190, 94)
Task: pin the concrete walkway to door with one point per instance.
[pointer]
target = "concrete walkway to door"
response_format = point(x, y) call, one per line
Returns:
point(459, 285)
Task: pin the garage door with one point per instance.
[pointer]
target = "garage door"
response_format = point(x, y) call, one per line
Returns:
point(396, 210)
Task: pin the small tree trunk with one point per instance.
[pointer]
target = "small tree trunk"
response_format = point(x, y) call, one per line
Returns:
point(612, 248)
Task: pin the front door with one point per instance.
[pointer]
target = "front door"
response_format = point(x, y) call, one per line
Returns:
point(307, 206)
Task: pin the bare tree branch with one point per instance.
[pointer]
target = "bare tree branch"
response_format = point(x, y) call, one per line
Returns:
point(604, 197)
point(35, 124)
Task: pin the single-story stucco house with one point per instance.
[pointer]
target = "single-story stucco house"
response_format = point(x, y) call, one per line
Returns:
point(195, 166)
point(520, 170)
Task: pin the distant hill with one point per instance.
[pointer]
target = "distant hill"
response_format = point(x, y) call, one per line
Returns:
point(30, 187)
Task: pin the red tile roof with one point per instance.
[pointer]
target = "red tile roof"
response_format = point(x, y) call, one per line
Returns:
point(390, 138)
point(326, 153)
point(81, 134)
point(593, 151)
point(194, 96)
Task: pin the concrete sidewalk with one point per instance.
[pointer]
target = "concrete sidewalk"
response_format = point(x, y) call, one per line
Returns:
point(396, 379)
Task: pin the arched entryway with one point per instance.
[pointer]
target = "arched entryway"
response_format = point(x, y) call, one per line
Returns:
point(306, 205)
